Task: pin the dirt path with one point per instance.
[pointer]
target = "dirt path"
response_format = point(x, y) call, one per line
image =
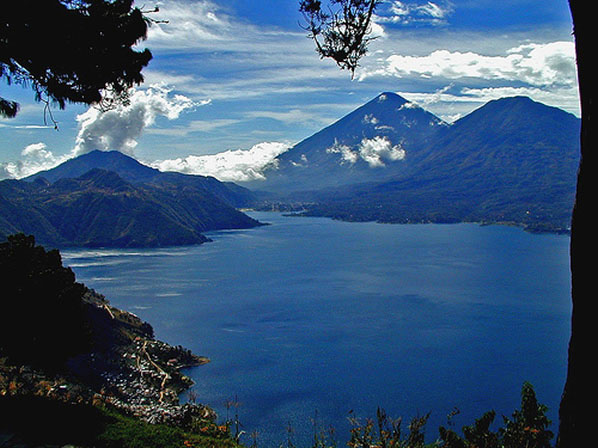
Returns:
point(157, 367)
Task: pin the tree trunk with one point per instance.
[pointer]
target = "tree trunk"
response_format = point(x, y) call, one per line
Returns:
point(577, 404)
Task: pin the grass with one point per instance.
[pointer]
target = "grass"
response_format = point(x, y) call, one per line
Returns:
point(41, 421)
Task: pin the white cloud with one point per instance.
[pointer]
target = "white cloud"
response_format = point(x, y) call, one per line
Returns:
point(239, 165)
point(213, 53)
point(36, 150)
point(307, 115)
point(347, 154)
point(370, 119)
point(184, 24)
point(119, 128)
point(116, 129)
point(415, 12)
point(194, 126)
point(568, 98)
point(206, 26)
point(374, 151)
point(36, 157)
point(545, 64)
point(25, 126)
point(549, 64)
point(378, 149)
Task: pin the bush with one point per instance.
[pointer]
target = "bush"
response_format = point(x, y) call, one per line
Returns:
point(42, 320)
point(40, 421)
point(527, 428)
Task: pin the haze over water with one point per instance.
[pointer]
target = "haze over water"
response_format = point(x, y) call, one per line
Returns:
point(310, 315)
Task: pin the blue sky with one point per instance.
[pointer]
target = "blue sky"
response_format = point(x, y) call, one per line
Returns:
point(235, 82)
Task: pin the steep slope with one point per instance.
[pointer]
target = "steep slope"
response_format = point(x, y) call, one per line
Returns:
point(508, 141)
point(100, 208)
point(512, 160)
point(376, 141)
point(126, 167)
point(64, 348)
point(136, 173)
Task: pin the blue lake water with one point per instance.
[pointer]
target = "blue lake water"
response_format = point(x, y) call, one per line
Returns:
point(310, 316)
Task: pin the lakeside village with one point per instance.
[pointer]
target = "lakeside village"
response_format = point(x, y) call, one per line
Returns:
point(77, 371)
point(140, 376)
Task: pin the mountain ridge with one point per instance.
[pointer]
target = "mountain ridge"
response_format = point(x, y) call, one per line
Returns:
point(135, 172)
point(512, 160)
point(101, 209)
point(375, 135)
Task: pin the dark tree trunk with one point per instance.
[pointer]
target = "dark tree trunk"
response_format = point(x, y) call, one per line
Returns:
point(577, 404)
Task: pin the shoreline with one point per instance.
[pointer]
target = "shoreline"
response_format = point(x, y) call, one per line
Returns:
point(138, 375)
point(533, 229)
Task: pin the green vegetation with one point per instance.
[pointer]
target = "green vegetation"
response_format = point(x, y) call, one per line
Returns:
point(86, 35)
point(512, 161)
point(37, 420)
point(74, 370)
point(526, 428)
point(32, 421)
point(101, 209)
point(42, 312)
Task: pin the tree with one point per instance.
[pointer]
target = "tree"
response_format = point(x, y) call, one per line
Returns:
point(528, 426)
point(477, 435)
point(70, 51)
point(343, 36)
point(92, 51)
point(342, 33)
point(42, 321)
point(578, 394)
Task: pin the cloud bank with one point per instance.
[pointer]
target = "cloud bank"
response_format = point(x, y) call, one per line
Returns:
point(375, 152)
point(115, 129)
point(414, 12)
point(35, 157)
point(240, 165)
point(119, 128)
point(550, 64)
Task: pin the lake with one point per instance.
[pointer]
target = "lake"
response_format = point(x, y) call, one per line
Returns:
point(309, 318)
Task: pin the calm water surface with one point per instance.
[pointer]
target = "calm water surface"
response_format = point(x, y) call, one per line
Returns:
point(313, 317)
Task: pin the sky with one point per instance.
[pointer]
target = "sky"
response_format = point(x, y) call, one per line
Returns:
point(233, 83)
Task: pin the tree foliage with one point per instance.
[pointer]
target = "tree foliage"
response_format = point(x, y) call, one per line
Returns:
point(71, 50)
point(346, 42)
point(386, 432)
point(342, 30)
point(42, 318)
point(527, 427)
